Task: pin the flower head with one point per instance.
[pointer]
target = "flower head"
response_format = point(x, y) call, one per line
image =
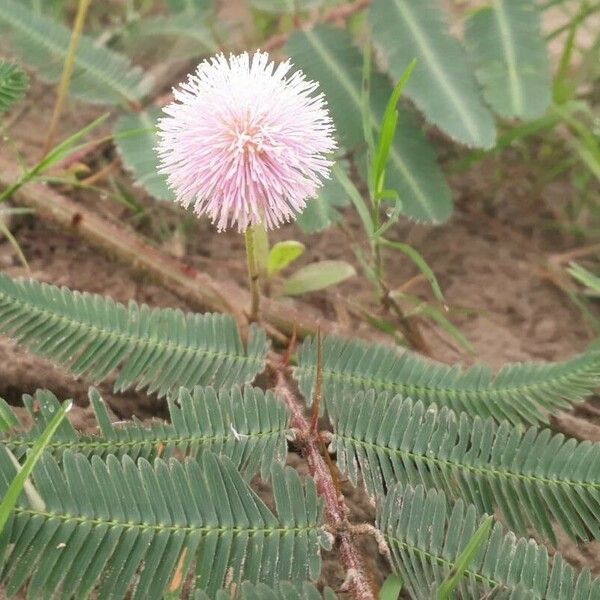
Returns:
point(245, 141)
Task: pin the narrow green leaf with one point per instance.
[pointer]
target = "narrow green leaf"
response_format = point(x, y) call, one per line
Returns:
point(361, 208)
point(420, 263)
point(317, 276)
point(62, 149)
point(509, 52)
point(442, 84)
point(283, 254)
point(388, 128)
point(465, 559)
point(391, 588)
point(585, 277)
point(19, 482)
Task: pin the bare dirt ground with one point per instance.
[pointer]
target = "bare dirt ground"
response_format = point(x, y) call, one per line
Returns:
point(491, 258)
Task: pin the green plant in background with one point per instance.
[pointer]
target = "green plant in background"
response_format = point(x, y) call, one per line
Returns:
point(13, 84)
point(502, 68)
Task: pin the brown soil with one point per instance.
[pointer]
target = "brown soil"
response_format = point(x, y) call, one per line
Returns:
point(491, 258)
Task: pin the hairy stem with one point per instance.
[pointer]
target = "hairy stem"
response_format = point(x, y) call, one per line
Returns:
point(357, 580)
point(68, 67)
point(253, 277)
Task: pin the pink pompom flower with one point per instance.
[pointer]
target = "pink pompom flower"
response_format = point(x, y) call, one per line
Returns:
point(246, 141)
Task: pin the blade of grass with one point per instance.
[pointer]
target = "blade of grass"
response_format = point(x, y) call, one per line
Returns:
point(444, 592)
point(391, 588)
point(12, 240)
point(420, 263)
point(388, 129)
point(63, 86)
point(20, 480)
point(55, 155)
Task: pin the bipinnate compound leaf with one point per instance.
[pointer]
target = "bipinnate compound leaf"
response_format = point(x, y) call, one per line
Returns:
point(118, 528)
point(158, 349)
point(426, 534)
point(245, 424)
point(519, 393)
point(537, 480)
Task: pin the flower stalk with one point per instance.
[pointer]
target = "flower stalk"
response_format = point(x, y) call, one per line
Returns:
point(253, 274)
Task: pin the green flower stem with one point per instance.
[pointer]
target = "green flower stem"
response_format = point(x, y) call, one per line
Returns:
point(253, 274)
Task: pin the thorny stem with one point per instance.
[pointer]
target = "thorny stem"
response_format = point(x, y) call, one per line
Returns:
point(253, 276)
point(358, 582)
point(68, 67)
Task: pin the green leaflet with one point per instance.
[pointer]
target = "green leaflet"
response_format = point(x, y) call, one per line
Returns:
point(535, 478)
point(326, 54)
point(7, 417)
point(425, 537)
point(117, 525)
point(519, 393)
point(13, 83)
point(158, 349)
point(136, 140)
point(442, 84)
point(283, 591)
point(509, 52)
point(101, 76)
point(247, 425)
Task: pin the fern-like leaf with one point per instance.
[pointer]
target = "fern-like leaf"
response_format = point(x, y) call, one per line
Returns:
point(247, 425)
point(101, 76)
point(283, 591)
point(108, 525)
point(532, 476)
point(425, 539)
point(327, 55)
point(442, 84)
point(519, 393)
point(511, 60)
point(13, 83)
point(161, 350)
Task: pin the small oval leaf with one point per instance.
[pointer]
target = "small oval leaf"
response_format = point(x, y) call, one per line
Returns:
point(283, 254)
point(317, 276)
